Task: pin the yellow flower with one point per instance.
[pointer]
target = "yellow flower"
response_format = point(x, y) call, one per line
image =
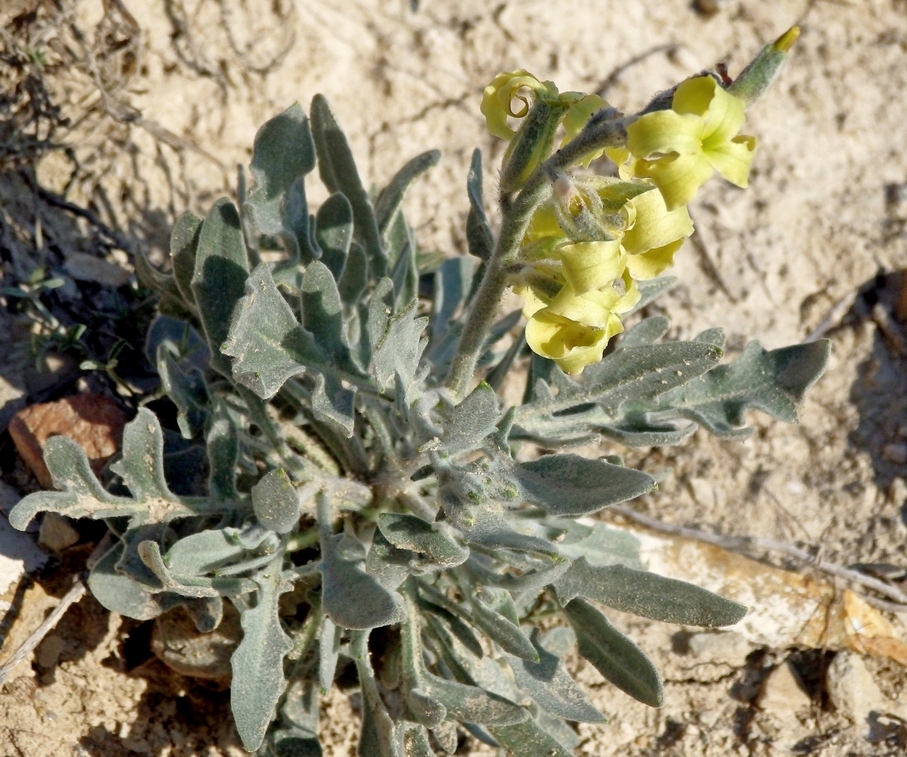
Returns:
point(679, 149)
point(574, 329)
point(591, 265)
point(499, 96)
point(655, 235)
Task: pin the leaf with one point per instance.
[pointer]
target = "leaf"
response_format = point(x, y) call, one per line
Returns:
point(466, 425)
point(351, 597)
point(187, 390)
point(283, 153)
point(322, 314)
point(387, 563)
point(380, 736)
point(387, 207)
point(203, 552)
point(258, 679)
point(221, 270)
point(416, 743)
point(529, 739)
point(334, 404)
point(222, 447)
point(614, 656)
point(572, 485)
point(334, 232)
point(275, 502)
point(478, 233)
point(647, 331)
point(604, 546)
point(141, 465)
point(328, 653)
point(452, 282)
point(471, 704)
point(266, 341)
point(297, 225)
point(774, 382)
point(354, 279)
point(339, 174)
point(399, 347)
point(409, 532)
point(184, 240)
point(647, 594)
point(507, 635)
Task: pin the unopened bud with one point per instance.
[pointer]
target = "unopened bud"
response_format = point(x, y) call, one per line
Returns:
point(532, 144)
point(762, 71)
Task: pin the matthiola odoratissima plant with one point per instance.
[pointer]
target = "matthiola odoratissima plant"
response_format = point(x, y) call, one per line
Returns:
point(343, 469)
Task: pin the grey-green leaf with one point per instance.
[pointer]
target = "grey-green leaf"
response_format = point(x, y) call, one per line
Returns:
point(334, 232)
point(466, 425)
point(275, 502)
point(573, 485)
point(647, 594)
point(528, 739)
point(478, 233)
point(283, 152)
point(203, 552)
point(322, 313)
point(266, 341)
point(398, 349)
point(614, 656)
point(258, 678)
point(471, 704)
point(221, 269)
point(409, 532)
point(183, 246)
point(551, 686)
point(389, 202)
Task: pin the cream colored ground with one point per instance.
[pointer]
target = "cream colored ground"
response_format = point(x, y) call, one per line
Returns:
point(826, 210)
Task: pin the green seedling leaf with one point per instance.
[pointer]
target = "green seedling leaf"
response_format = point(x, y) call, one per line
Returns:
point(617, 658)
point(647, 594)
point(258, 678)
point(572, 485)
point(184, 240)
point(339, 174)
point(351, 597)
point(466, 425)
point(334, 232)
point(478, 232)
point(266, 341)
point(774, 382)
point(221, 270)
point(283, 153)
point(275, 502)
point(409, 532)
point(551, 686)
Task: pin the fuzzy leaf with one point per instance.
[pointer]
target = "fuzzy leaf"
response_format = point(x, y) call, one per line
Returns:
point(351, 597)
point(572, 485)
point(203, 552)
point(390, 201)
point(529, 739)
point(471, 704)
point(466, 425)
point(604, 546)
point(119, 593)
point(774, 382)
point(614, 656)
point(387, 563)
point(339, 174)
point(323, 315)
point(409, 532)
point(334, 232)
point(283, 153)
point(452, 282)
point(334, 404)
point(221, 270)
point(275, 502)
point(328, 653)
point(184, 241)
point(478, 233)
point(142, 463)
point(507, 635)
point(266, 341)
point(398, 349)
point(297, 224)
point(354, 279)
point(258, 679)
point(647, 331)
point(187, 390)
point(222, 447)
point(647, 594)
point(416, 743)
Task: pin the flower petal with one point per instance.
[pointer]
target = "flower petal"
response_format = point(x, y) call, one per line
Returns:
point(497, 100)
point(665, 131)
point(591, 265)
point(655, 225)
point(649, 264)
point(677, 176)
point(733, 159)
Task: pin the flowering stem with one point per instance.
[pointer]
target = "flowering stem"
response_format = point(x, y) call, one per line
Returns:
point(605, 129)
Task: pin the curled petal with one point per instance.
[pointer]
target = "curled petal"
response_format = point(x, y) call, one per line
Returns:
point(733, 159)
point(498, 97)
point(651, 263)
point(655, 226)
point(592, 265)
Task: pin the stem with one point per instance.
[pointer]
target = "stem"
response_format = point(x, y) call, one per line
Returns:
point(604, 129)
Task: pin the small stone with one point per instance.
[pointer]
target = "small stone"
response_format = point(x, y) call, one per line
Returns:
point(853, 691)
point(56, 533)
point(783, 694)
point(897, 491)
point(84, 267)
point(720, 647)
point(93, 421)
point(703, 491)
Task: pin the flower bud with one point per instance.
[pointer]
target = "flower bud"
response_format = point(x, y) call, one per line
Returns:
point(762, 71)
point(532, 144)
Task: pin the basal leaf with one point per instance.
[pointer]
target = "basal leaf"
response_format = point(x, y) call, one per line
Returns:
point(614, 656)
point(399, 347)
point(275, 502)
point(283, 153)
point(466, 425)
point(411, 533)
point(390, 201)
point(334, 232)
point(478, 233)
point(471, 704)
point(528, 739)
point(258, 678)
point(184, 240)
point(573, 485)
point(647, 594)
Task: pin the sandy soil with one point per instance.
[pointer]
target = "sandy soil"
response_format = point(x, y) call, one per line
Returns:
point(163, 101)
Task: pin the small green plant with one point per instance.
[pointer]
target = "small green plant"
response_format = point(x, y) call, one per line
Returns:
point(363, 472)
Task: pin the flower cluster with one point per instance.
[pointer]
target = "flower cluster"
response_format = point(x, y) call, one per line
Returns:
point(589, 244)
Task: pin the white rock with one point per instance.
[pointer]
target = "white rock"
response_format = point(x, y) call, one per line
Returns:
point(783, 694)
point(854, 692)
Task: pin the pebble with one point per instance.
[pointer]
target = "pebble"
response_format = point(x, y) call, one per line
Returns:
point(854, 692)
point(93, 421)
point(56, 532)
point(84, 267)
point(783, 694)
